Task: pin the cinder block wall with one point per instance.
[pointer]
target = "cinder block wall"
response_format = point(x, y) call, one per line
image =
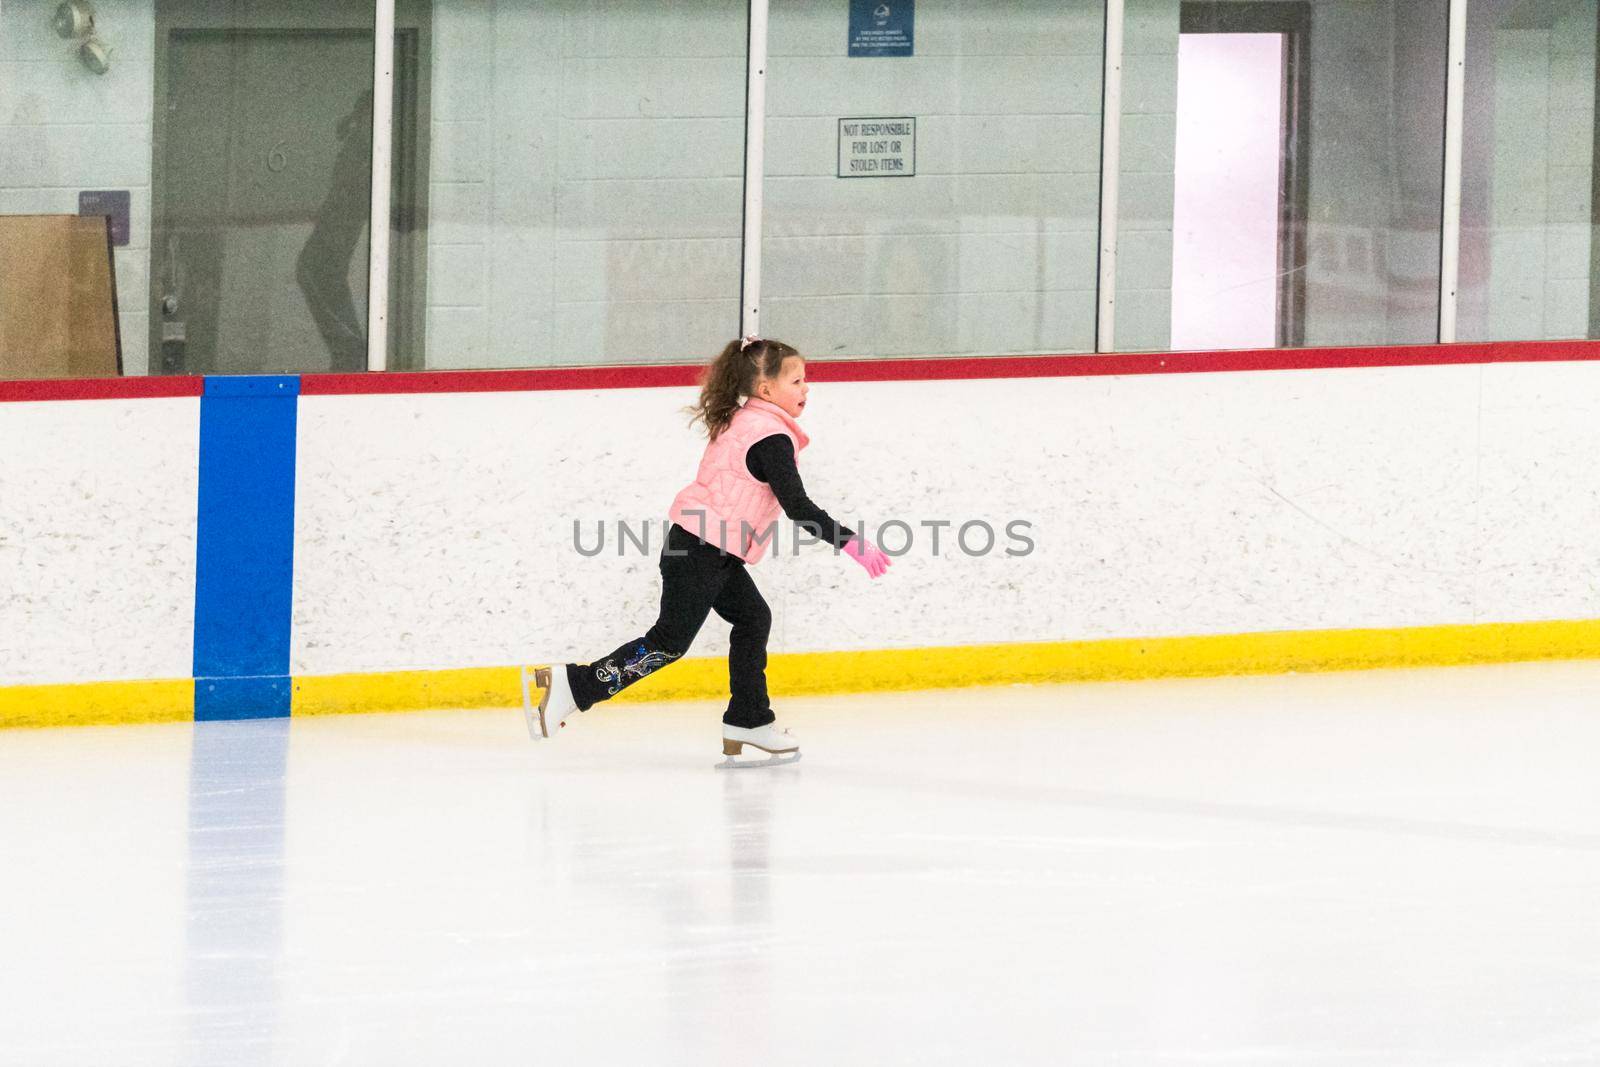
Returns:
point(586, 189)
point(64, 129)
point(1529, 158)
point(586, 181)
point(991, 246)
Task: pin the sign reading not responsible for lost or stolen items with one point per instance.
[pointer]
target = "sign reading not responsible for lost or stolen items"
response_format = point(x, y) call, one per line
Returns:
point(878, 148)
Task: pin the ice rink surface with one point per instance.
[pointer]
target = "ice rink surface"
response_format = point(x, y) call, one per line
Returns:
point(1397, 867)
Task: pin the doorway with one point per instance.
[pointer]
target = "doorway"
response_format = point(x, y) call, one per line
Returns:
point(261, 173)
point(1240, 176)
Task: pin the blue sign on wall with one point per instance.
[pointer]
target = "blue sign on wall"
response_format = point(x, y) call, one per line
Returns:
point(881, 27)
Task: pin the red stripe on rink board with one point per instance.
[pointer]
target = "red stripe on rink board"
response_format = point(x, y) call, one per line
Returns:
point(1137, 363)
point(101, 388)
point(630, 376)
point(892, 369)
point(939, 368)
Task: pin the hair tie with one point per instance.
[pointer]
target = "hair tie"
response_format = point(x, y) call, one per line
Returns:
point(749, 339)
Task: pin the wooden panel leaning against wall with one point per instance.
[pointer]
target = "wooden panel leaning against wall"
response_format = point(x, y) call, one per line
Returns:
point(58, 298)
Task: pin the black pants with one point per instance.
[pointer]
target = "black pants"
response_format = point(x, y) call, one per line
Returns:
point(696, 578)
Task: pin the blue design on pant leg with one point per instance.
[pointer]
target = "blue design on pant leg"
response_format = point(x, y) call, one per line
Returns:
point(643, 661)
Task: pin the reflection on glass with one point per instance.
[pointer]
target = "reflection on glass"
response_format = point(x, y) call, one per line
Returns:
point(990, 246)
point(1528, 171)
point(260, 182)
point(1349, 153)
point(323, 266)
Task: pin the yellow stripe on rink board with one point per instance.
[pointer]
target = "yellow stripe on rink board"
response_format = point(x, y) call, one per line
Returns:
point(1135, 658)
point(472, 687)
point(882, 670)
point(800, 674)
point(97, 703)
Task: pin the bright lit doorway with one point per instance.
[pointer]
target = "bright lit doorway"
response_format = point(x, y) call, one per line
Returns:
point(1238, 256)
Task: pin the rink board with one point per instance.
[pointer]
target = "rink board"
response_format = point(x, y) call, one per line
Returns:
point(1186, 514)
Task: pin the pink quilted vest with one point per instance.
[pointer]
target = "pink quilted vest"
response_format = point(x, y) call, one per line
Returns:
point(724, 505)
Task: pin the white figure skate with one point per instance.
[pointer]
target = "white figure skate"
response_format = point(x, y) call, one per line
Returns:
point(781, 746)
point(555, 700)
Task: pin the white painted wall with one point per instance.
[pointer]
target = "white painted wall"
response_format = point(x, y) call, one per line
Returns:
point(97, 546)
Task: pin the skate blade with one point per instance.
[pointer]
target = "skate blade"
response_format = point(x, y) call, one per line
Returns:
point(533, 713)
point(730, 764)
point(529, 715)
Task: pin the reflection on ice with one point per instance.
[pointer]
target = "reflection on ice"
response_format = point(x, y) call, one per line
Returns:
point(235, 889)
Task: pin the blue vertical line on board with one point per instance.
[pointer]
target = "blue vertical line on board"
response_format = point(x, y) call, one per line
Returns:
point(244, 568)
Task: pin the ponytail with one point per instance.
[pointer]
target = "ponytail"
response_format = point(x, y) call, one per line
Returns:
point(735, 373)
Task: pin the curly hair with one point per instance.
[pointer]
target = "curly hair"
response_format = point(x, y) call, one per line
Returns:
point(736, 372)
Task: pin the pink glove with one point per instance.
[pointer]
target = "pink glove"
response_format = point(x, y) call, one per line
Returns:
point(870, 558)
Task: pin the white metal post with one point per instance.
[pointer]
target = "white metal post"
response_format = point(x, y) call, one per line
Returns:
point(378, 215)
point(1110, 164)
point(755, 125)
point(1450, 235)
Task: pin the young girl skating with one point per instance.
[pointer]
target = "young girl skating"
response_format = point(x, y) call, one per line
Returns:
point(722, 520)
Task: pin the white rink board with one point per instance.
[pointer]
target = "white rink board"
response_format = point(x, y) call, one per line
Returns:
point(97, 551)
point(436, 530)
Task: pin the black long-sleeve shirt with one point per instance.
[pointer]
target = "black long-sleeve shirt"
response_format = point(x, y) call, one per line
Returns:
point(771, 460)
